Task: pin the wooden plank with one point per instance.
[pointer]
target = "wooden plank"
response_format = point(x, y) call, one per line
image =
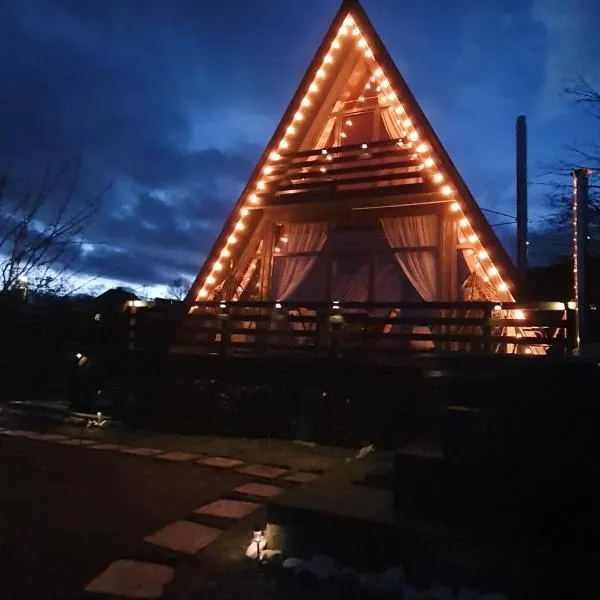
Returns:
point(328, 182)
point(290, 156)
point(406, 154)
point(372, 166)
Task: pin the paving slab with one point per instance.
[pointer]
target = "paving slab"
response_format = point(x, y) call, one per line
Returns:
point(76, 442)
point(229, 509)
point(220, 461)
point(142, 451)
point(107, 446)
point(301, 477)
point(263, 471)
point(184, 536)
point(176, 456)
point(132, 579)
point(262, 490)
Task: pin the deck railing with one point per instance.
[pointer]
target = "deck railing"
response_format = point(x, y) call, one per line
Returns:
point(371, 331)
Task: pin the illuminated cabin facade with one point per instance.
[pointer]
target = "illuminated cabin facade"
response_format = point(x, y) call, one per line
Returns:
point(355, 199)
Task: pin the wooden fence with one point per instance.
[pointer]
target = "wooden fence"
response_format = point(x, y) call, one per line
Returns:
point(371, 331)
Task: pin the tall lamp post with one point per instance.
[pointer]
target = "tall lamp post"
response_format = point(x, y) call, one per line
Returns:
point(580, 243)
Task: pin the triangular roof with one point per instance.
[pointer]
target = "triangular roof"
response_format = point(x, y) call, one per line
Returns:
point(351, 34)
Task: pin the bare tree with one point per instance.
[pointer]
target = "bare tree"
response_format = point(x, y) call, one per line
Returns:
point(560, 194)
point(41, 228)
point(178, 288)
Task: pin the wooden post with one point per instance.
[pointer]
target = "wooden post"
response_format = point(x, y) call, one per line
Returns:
point(447, 257)
point(487, 328)
point(266, 263)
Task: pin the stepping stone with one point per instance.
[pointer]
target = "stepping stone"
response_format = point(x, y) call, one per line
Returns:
point(220, 462)
point(53, 437)
point(184, 536)
point(262, 471)
point(132, 579)
point(262, 490)
point(301, 477)
point(142, 451)
point(76, 442)
point(177, 456)
point(107, 447)
point(229, 509)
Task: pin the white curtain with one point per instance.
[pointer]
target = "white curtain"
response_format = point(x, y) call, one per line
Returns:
point(302, 237)
point(419, 266)
point(353, 287)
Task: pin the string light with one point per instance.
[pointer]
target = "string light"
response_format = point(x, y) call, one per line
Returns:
point(239, 226)
point(349, 122)
point(210, 279)
point(253, 198)
point(336, 44)
point(291, 130)
point(446, 190)
point(225, 253)
point(503, 287)
point(454, 207)
point(413, 136)
point(328, 59)
point(268, 170)
point(320, 74)
point(406, 123)
point(428, 162)
point(369, 54)
point(493, 271)
point(202, 293)
point(244, 212)
point(283, 144)
point(378, 72)
point(231, 239)
point(472, 239)
point(348, 21)
point(323, 151)
point(313, 87)
point(305, 102)
point(356, 32)
point(482, 254)
point(399, 109)
point(362, 43)
point(343, 30)
point(298, 116)
point(274, 156)
point(464, 222)
point(422, 148)
point(361, 98)
point(261, 185)
point(438, 178)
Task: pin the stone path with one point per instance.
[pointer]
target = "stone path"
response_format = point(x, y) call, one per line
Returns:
point(128, 578)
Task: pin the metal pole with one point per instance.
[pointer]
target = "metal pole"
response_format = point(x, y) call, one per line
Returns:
point(580, 235)
point(522, 230)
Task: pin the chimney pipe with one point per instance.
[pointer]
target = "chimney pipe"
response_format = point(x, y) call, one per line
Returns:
point(522, 230)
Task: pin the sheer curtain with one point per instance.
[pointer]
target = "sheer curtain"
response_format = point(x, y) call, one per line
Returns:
point(353, 287)
point(302, 237)
point(419, 266)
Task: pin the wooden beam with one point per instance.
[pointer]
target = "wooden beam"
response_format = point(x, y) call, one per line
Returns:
point(266, 262)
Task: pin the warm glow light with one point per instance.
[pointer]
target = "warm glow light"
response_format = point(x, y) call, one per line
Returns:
point(356, 32)
point(378, 72)
point(349, 122)
point(422, 148)
point(305, 102)
point(483, 254)
point(202, 293)
point(283, 144)
point(462, 240)
point(372, 78)
point(313, 87)
point(320, 74)
point(323, 151)
point(268, 170)
point(369, 54)
point(274, 156)
point(391, 97)
point(225, 253)
point(472, 239)
point(367, 86)
point(291, 130)
point(464, 222)
point(519, 314)
point(486, 278)
point(385, 84)
point(217, 266)
point(528, 350)
point(254, 198)
point(428, 162)
point(413, 136)
point(323, 170)
point(284, 240)
point(378, 88)
point(503, 287)
point(454, 207)
point(446, 190)
point(261, 185)
point(361, 98)
point(399, 109)
point(277, 249)
point(406, 123)
point(493, 271)
point(239, 226)
point(330, 157)
point(343, 30)
point(244, 212)
point(364, 146)
point(362, 43)
point(328, 59)
point(210, 279)
point(470, 252)
point(348, 21)
point(298, 116)
point(343, 135)
point(438, 178)
point(231, 239)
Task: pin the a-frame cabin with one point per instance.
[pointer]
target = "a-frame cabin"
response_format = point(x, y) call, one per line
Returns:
point(356, 204)
point(355, 198)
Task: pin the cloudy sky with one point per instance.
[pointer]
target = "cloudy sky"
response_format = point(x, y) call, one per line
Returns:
point(172, 101)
